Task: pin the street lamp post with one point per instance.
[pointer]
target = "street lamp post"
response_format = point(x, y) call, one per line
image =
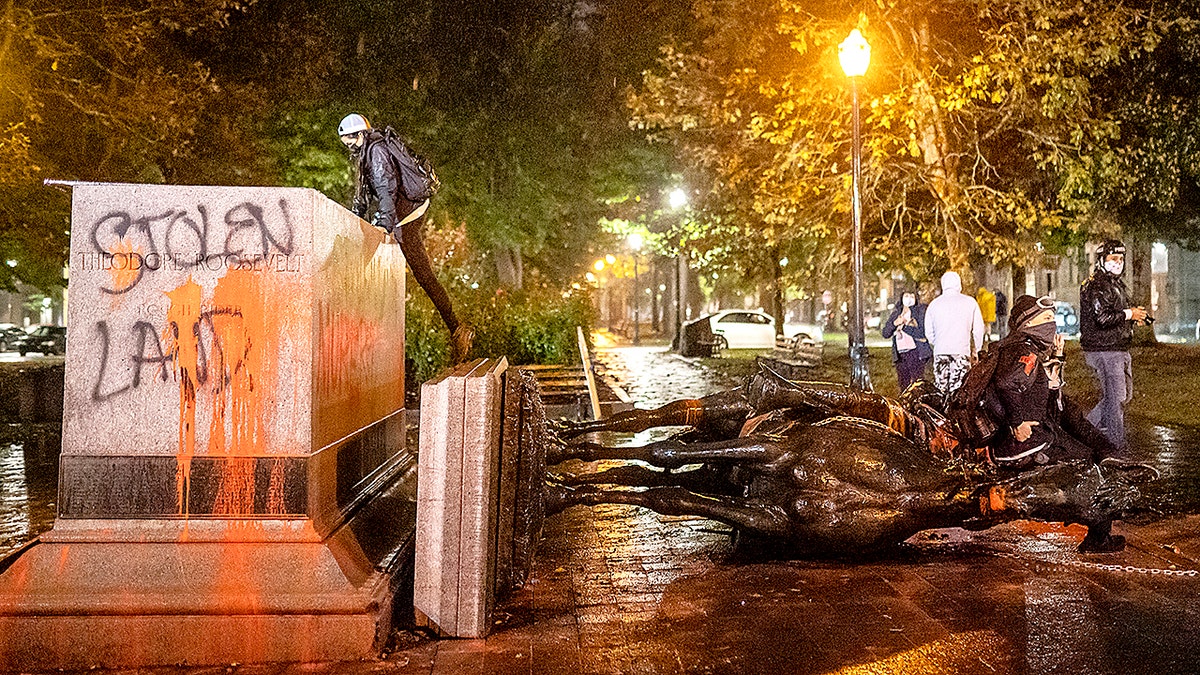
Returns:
point(635, 243)
point(678, 199)
point(855, 55)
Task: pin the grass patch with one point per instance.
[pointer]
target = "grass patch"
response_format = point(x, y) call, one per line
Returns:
point(1166, 377)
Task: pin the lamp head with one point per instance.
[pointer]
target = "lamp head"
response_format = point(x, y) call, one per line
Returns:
point(855, 54)
point(678, 198)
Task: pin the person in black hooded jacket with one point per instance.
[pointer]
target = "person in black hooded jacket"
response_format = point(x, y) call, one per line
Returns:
point(378, 180)
point(1043, 426)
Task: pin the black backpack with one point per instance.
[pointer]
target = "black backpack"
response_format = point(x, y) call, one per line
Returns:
point(418, 180)
point(967, 408)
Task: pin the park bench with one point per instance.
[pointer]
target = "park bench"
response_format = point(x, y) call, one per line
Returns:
point(793, 357)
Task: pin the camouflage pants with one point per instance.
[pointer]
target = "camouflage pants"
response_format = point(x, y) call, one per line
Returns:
point(949, 371)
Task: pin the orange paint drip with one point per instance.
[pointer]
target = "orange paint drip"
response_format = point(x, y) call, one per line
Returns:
point(897, 419)
point(126, 266)
point(245, 326)
point(183, 340)
point(997, 498)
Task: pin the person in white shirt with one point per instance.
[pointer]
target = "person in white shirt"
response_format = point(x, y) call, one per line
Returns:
point(954, 326)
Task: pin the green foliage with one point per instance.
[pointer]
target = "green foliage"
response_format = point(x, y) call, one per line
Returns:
point(426, 342)
point(538, 327)
point(309, 154)
point(532, 327)
point(987, 126)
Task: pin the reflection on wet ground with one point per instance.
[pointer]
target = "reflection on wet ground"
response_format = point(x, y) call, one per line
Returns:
point(618, 589)
point(27, 494)
point(1176, 454)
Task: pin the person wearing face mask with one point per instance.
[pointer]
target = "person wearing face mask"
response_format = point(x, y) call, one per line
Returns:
point(1041, 425)
point(1105, 334)
point(378, 180)
point(910, 350)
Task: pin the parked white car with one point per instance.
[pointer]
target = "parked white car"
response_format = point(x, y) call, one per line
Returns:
point(751, 329)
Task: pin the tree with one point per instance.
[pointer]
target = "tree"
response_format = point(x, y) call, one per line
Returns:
point(92, 91)
point(978, 117)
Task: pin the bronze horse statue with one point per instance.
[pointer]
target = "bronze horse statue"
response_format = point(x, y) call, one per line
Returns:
point(829, 470)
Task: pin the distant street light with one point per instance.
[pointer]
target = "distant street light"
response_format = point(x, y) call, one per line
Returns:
point(635, 243)
point(855, 55)
point(677, 199)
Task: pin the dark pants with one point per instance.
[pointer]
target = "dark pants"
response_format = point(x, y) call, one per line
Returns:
point(910, 367)
point(1114, 373)
point(412, 241)
point(1075, 438)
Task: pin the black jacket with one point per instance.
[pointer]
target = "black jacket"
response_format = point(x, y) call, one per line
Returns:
point(1103, 327)
point(379, 181)
point(917, 332)
point(1020, 392)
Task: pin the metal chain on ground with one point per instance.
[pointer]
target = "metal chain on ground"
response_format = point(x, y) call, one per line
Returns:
point(1101, 566)
point(1128, 569)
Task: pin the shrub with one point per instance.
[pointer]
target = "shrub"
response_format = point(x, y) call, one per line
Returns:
point(525, 327)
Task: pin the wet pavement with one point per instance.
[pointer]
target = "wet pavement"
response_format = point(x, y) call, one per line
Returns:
point(27, 494)
point(617, 589)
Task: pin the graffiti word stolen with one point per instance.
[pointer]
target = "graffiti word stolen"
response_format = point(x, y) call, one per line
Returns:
point(245, 237)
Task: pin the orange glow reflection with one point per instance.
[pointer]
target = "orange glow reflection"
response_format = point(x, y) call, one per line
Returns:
point(958, 652)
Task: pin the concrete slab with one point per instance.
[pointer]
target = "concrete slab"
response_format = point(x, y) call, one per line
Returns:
point(458, 497)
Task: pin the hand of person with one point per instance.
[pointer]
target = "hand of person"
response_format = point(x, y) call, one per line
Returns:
point(1139, 314)
point(382, 224)
point(1059, 341)
point(900, 320)
point(1023, 431)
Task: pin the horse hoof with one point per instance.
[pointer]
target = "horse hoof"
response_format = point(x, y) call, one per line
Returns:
point(1112, 543)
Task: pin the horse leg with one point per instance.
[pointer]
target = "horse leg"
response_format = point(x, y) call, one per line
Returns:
point(673, 453)
point(704, 479)
point(759, 519)
point(708, 411)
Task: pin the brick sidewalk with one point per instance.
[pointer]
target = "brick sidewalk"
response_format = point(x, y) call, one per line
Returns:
point(620, 590)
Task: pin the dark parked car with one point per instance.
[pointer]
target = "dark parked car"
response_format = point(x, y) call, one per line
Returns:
point(45, 339)
point(9, 333)
point(1067, 318)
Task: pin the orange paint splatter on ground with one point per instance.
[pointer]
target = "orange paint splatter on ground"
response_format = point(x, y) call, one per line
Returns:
point(183, 340)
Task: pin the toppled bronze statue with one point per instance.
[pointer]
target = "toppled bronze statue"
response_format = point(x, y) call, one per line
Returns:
point(829, 470)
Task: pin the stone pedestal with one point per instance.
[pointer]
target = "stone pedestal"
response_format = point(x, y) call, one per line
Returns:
point(233, 484)
point(480, 503)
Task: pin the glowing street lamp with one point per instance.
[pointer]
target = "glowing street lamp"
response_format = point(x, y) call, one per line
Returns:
point(677, 199)
point(855, 55)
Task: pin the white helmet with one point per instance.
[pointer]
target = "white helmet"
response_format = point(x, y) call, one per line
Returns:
point(353, 123)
